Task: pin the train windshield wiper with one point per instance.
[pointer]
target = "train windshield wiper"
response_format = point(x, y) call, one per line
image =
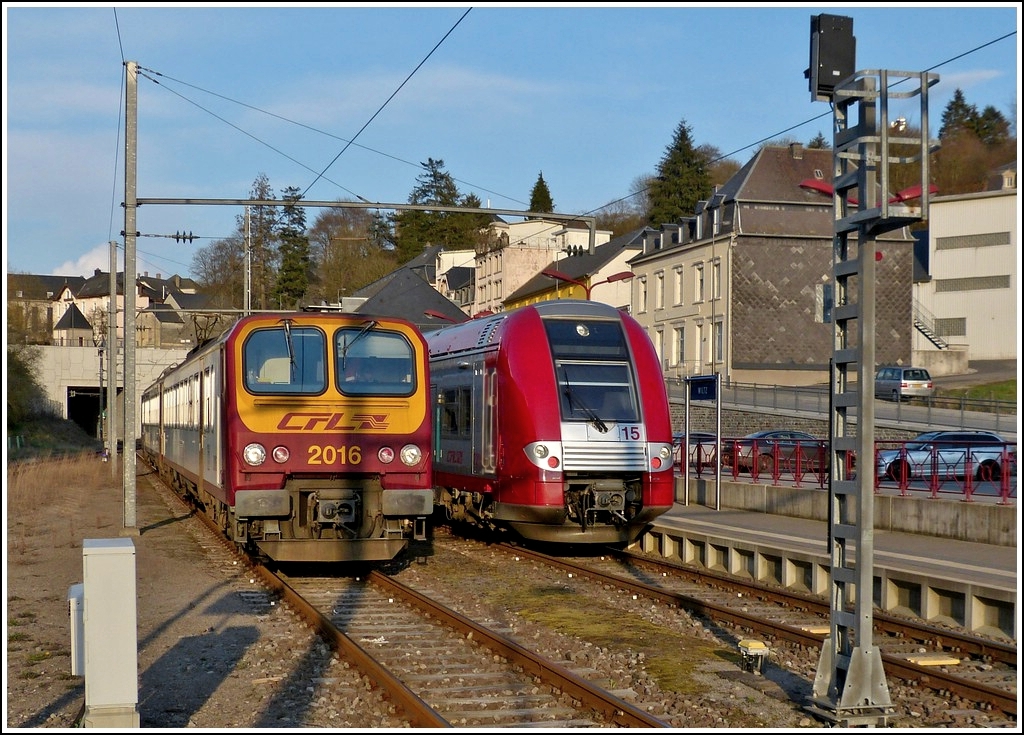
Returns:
point(291, 348)
point(362, 333)
point(574, 400)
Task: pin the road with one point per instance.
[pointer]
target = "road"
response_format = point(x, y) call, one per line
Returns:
point(980, 372)
point(814, 401)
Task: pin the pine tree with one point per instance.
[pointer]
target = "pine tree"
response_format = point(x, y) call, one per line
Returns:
point(293, 276)
point(958, 116)
point(413, 230)
point(262, 242)
point(681, 181)
point(991, 127)
point(540, 197)
point(819, 142)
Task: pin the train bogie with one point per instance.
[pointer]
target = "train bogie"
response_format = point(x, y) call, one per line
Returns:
point(551, 421)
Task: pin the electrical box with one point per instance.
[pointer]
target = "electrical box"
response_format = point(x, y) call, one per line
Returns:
point(76, 595)
point(110, 633)
point(833, 54)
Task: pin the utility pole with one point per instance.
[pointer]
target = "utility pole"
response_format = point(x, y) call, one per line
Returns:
point(131, 130)
point(111, 425)
point(247, 279)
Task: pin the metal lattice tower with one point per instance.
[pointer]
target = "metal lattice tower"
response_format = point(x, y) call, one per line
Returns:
point(850, 685)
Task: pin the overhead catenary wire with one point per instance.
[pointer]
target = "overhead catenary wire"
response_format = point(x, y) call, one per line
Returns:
point(352, 142)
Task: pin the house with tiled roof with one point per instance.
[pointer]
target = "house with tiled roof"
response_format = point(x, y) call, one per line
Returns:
point(73, 329)
point(33, 303)
point(602, 275)
point(743, 287)
point(457, 284)
point(521, 250)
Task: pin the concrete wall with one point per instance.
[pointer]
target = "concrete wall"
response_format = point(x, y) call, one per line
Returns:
point(985, 522)
point(61, 368)
point(943, 362)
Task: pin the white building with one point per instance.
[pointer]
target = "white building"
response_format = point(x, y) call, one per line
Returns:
point(970, 300)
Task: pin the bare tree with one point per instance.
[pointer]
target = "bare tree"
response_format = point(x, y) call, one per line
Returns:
point(346, 255)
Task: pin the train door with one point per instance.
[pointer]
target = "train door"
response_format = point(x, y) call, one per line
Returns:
point(487, 410)
point(454, 440)
point(210, 439)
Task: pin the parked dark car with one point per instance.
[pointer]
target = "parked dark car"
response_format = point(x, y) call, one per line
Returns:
point(763, 447)
point(703, 448)
point(948, 454)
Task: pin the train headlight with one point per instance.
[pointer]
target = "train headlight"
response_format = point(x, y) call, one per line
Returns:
point(661, 457)
point(386, 455)
point(281, 454)
point(411, 455)
point(547, 455)
point(254, 455)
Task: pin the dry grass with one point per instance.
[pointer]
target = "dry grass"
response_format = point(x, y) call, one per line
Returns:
point(33, 487)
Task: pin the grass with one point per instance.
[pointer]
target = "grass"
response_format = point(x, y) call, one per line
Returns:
point(47, 437)
point(39, 484)
point(1005, 390)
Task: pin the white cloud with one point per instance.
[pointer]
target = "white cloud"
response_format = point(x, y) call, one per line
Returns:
point(86, 265)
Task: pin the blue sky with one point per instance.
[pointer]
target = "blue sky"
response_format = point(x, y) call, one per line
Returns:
point(588, 95)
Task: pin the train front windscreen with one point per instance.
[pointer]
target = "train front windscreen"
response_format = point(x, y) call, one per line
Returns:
point(593, 370)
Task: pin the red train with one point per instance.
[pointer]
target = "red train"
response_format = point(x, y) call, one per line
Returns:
point(552, 421)
point(304, 435)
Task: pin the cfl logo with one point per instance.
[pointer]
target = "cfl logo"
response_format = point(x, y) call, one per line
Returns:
point(322, 421)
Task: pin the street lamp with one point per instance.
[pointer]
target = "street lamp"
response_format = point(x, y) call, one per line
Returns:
point(559, 276)
point(434, 314)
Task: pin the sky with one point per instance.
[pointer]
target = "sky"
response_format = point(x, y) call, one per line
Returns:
point(345, 101)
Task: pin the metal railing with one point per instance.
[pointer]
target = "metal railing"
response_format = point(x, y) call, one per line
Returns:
point(981, 475)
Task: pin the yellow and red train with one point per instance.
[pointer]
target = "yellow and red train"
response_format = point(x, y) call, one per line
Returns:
point(305, 435)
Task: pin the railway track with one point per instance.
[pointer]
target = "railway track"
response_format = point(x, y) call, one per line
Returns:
point(440, 668)
point(445, 669)
point(354, 617)
point(977, 669)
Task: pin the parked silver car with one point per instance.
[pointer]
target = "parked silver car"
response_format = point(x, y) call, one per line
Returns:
point(948, 455)
point(903, 383)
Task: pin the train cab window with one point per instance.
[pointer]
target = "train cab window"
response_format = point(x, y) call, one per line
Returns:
point(277, 360)
point(593, 370)
point(596, 390)
point(373, 362)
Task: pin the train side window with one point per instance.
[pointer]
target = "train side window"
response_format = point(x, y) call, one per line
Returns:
point(456, 413)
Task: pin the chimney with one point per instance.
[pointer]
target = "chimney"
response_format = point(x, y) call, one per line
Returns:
point(796, 150)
